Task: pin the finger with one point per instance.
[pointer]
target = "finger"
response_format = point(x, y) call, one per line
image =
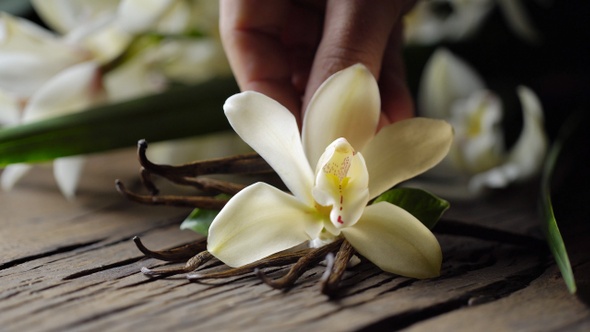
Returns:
point(355, 31)
point(251, 35)
point(301, 36)
point(396, 101)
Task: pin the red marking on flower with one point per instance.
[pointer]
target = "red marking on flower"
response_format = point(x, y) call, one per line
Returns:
point(340, 220)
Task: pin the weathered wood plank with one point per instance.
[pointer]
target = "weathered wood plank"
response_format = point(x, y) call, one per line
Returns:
point(72, 266)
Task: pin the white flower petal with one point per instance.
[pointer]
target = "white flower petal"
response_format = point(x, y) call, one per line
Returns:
point(12, 174)
point(73, 89)
point(191, 61)
point(260, 221)
point(396, 242)
point(445, 79)
point(66, 15)
point(30, 55)
point(25, 73)
point(9, 109)
point(526, 157)
point(518, 20)
point(139, 16)
point(176, 19)
point(102, 38)
point(342, 183)
point(426, 25)
point(479, 142)
point(67, 172)
point(271, 130)
point(405, 149)
point(529, 151)
point(134, 79)
point(346, 105)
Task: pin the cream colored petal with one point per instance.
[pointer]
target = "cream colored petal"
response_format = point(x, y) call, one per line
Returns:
point(346, 105)
point(176, 20)
point(134, 79)
point(102, 38)
point(424, 24)
point(9, 109)
point(30, 55)
point(67, 172)
point(479, 141)
point(260, 221)
point(526, 157)
point(529, 151)
point(445, 79)
point(191, 61)
point(271, 130)
point(12, 174)
point(405, 149)
point(139, 16)
point(66, 15)
point(347, 194)
point(396, 242)
point(518, 19)
point(25, 73)
point(74, 89)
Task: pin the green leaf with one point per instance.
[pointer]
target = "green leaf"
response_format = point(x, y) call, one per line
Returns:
point(549, 224)
point(423, 205)
point(177, 113)
point(199, 221)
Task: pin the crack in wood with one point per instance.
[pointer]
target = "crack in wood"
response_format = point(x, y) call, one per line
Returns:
point(486, 294)
point(102, 268)
point(59, 250)
point(117, 310)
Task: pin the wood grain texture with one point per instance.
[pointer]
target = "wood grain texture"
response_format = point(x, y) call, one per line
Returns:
point(68, 266)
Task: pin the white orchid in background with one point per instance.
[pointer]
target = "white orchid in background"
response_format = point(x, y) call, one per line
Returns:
point(433, 21)
point(450, 89)
point(333, 171)
point(128, 49)
point(44, 76)
point(71, 90)
point(31, 55)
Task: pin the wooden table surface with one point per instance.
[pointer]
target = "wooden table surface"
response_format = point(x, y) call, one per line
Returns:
point(71, 265)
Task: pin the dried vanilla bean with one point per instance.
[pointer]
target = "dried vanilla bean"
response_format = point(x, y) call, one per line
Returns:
point(191, 265)
point(335, 270)
point(303, 264)
point(276, 260)
point(239, 164)
point(196, 254)
point(203, 202)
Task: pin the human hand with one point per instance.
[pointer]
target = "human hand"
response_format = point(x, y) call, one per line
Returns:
point(287, 48)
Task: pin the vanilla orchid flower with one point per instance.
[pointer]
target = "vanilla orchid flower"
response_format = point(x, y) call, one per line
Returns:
point(31, 55)
point(450, 89)
point(434, 21)
point(34, 61)
point(333, 171)
point(75, 88)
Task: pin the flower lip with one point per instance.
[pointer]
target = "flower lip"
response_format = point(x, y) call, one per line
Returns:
point(342, 183)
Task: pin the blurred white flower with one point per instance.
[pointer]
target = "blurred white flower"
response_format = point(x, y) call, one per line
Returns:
point(73, 89)
point(106, 51)
point(433, 21)
point(450, 89)
point(31, 55)
point(9, 109)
